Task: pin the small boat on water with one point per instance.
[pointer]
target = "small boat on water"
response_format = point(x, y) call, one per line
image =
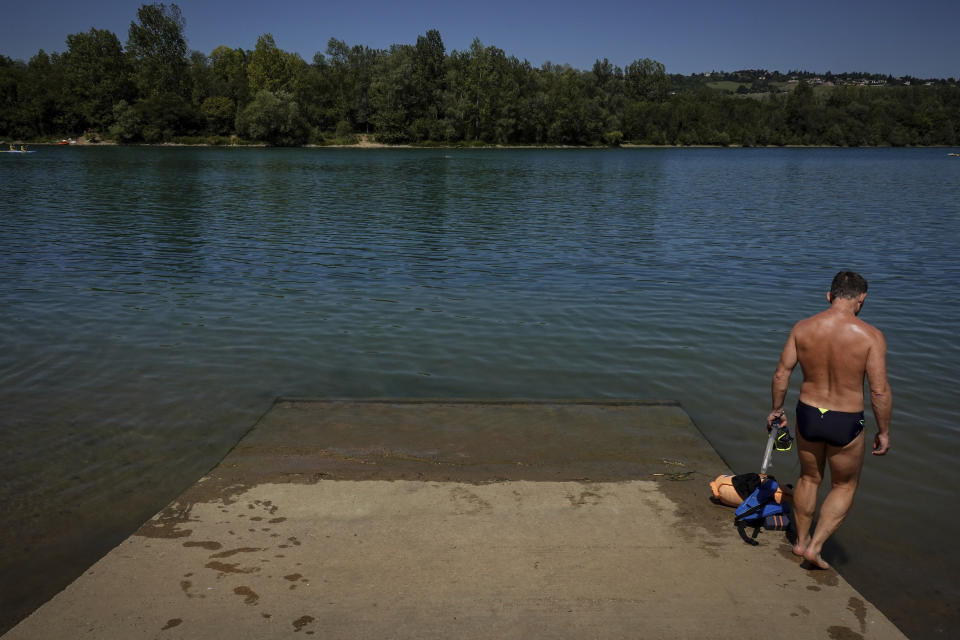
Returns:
point(22, 149)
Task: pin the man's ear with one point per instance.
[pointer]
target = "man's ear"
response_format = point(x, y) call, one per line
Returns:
point(830, 300)
point(861, 298)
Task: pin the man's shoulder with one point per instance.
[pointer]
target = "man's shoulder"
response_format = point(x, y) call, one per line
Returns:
point(874, 333)
point(809, 321)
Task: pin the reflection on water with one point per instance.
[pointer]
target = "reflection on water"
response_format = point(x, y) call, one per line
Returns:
point(154, 301)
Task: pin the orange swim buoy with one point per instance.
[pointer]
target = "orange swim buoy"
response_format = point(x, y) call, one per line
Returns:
point(725, 493)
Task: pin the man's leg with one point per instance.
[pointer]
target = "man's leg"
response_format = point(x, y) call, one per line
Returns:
point(845, 465)
point(812, 456)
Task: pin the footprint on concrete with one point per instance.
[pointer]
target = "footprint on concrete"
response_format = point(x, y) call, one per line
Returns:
point(209, 545)
point(249, 595)
point(837, 632)
point(859, 609)
point(585, 497)
point(301, 622)
point(225, 567)
point(171, 623)
point(467, 502)
point(232, 552)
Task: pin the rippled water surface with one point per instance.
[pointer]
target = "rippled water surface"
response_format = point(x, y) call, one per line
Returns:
point(153, 301)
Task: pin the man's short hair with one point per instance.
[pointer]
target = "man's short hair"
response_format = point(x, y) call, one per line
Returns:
point(847, 284)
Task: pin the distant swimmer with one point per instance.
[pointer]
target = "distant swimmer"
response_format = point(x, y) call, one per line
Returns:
point(836, 351)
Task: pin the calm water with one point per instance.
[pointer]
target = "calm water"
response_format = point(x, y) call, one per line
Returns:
point(153, 301)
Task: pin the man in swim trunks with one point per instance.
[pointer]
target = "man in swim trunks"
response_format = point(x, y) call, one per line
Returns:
point(836, 350)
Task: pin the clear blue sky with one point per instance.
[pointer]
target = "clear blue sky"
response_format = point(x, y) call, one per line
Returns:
point(900, 37)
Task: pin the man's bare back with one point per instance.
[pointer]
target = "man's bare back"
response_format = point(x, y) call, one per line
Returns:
point(835, 350)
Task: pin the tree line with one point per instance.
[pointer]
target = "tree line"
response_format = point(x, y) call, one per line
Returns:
point(153, 89)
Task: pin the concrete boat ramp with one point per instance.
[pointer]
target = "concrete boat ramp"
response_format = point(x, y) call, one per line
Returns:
point(456, 519)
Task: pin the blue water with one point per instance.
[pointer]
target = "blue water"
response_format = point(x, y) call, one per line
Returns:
point(153, 301)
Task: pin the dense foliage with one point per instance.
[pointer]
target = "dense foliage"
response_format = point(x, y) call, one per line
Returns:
point(154, 90)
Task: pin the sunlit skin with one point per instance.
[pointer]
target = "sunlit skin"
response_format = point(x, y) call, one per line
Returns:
point(836, 350)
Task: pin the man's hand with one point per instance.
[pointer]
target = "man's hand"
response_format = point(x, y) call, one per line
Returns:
point(881, 444)
point(780, 416)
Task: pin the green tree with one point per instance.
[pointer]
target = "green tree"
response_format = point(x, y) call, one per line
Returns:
point(803, 114)
point(350, 72)
point(484, 93)
point(646, 79)
point(274, 118)
point(230, 74)
point(98, 76)
point(606, 84)
point(158, 49)
point(577, 116)
point(12, 74)
point(126, 125)
point(39, 97)
point(315, 94)
point(273, 69)
point(220, 113)
point(165, 116)
point(392, 95)
point(429, 57)
point(201, 80)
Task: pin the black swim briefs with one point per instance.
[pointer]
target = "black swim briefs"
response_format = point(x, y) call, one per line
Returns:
point(837, 428)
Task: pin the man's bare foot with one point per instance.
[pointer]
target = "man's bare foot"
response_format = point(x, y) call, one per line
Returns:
point(798, 549)
point(814, 560)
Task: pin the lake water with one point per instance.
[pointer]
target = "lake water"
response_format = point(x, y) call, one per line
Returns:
point(153, 302)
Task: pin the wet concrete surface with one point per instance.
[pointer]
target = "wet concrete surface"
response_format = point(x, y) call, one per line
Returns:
point(429, 519)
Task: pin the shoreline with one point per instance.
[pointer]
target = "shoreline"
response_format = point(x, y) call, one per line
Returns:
point(380, 146)
point(365, 143)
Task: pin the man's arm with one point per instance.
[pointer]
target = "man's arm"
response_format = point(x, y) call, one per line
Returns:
point(781, 380)
point(881, 398)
